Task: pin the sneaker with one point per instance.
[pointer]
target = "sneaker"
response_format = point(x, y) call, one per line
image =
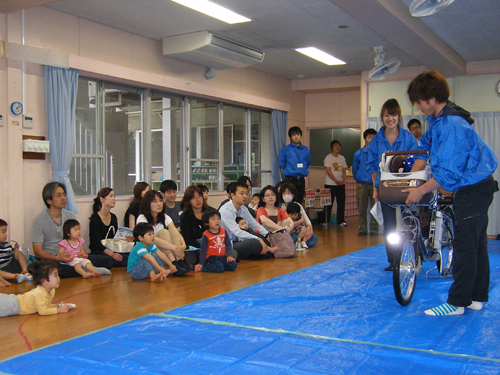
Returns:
point(361, 234)
point(304, 245)
point(20, 278)
point(324, 224)
point(28, 276)
point(343, 224)
point(374, 234)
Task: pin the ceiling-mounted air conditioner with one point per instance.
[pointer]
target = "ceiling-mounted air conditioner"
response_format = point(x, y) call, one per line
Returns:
point(208, 49)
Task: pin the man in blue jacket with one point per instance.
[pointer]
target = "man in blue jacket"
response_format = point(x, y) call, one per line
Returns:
point(364, 192)
point(294, 161)
point(461, 162)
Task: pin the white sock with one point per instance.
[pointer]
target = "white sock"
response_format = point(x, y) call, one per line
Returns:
point(445, 309)
point(475, 305)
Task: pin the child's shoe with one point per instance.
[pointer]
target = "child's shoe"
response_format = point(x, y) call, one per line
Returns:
point(20, 278)
point(28, 276)
point(299, 246)
point(304, 245)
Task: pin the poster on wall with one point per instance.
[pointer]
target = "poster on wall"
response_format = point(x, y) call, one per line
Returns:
point(325, 197)
point(310, 197)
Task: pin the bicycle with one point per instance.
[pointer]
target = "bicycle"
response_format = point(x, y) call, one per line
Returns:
point(413, 246)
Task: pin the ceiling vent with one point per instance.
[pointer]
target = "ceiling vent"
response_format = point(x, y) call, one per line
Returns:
point(208, 49)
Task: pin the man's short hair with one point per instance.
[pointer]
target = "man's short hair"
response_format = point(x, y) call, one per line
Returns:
point(49, 191)
point(141, 229)
point(368, 132)
point(414, 121)
point(429, 85)
point(235, 186)
point(207, 214)
point(294, 130)
point(167, 185)
point(335, 141)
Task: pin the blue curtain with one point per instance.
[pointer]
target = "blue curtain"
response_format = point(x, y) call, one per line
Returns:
point(60, 96)
point(279, 123)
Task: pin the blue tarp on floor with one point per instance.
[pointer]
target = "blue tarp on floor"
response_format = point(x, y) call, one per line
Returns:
point(340, 316)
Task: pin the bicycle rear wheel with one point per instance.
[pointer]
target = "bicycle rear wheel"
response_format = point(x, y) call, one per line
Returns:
point(404, 277)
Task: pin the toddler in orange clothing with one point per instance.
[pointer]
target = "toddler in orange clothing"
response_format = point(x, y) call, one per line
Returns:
point(216, 248)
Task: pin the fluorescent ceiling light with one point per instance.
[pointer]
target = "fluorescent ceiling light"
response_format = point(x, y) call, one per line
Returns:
point(213, 10)
point(319, 55)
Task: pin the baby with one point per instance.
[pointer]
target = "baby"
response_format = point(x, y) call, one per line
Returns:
point(243, 226)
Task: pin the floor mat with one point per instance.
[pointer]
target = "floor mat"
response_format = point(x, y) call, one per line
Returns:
point(336, 317)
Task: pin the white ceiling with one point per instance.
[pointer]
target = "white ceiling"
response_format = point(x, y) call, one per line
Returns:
point(467, 30)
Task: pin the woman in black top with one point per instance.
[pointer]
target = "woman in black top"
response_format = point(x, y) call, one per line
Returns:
point(132, 213)
point(192, 206)
point(102, 222)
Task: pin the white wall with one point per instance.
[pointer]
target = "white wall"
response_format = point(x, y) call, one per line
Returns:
point(475, 93)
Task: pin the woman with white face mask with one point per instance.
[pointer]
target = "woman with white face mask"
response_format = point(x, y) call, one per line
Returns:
point(287, 193)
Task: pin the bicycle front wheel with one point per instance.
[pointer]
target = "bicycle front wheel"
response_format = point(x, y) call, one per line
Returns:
point(404, 277)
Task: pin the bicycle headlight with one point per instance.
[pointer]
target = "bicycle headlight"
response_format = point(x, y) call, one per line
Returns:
point(393, 238)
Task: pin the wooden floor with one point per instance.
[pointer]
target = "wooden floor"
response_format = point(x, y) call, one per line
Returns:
point(110, 300)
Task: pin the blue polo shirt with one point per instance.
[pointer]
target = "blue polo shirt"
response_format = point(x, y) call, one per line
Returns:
point(291, 156)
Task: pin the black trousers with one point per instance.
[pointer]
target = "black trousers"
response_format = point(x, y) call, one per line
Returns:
point(390, 222)
point(471, 266)
point(250, 249)
point(300, 185)
point(338, 192)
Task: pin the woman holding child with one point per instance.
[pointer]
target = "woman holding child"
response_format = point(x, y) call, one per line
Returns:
point(302, 229)
point(167, 237)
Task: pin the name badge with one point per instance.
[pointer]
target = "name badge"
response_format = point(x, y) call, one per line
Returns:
point(300, 165)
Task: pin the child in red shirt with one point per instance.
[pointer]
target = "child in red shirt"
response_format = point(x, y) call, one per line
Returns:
point(216, 248)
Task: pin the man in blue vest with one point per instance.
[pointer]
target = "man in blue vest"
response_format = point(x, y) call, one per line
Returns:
point(294, 161)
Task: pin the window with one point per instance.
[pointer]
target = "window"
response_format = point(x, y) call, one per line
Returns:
point(126, 134)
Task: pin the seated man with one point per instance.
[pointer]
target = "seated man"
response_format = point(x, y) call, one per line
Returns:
point(246, 245)
point(47, 232)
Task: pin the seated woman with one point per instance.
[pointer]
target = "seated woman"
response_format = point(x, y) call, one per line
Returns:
point(270, 214)
point(192, 206)
point(287, 193)
point(104, 223)
point(167, 237)
point(132, 213)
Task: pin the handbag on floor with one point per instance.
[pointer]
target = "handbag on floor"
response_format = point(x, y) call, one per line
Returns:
point(286, 247)
point(115, 245)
